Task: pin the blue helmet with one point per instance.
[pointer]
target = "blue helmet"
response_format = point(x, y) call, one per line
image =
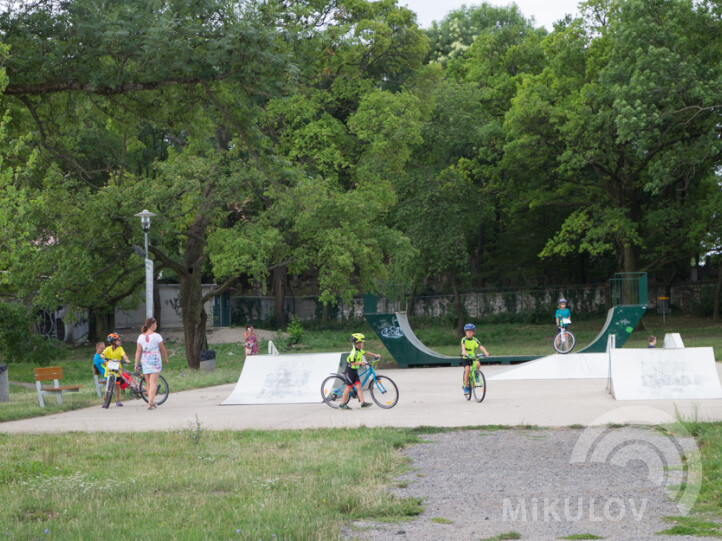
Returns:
point(469, 327)
point(562, 300)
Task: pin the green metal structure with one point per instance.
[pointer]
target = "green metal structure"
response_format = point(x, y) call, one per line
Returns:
point(398, 337)
point(627, 294)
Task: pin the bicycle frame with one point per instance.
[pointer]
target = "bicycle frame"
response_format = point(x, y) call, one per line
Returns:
point(367, 374)
point(125, 378)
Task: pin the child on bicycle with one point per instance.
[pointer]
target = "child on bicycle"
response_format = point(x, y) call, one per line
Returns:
point(115, 352)
point(468, 347)
point(562, 315)
point(354, 360)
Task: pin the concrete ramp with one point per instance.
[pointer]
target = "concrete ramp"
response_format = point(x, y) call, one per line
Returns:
point(664, 374)
point(283, 379)
point(673, 340)
point(569, 366)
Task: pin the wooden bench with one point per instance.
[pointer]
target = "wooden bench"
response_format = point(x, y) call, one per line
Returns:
point(54, 373)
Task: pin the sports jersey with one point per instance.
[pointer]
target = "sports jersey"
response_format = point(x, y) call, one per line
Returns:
point(469, 345)
point(355, 358)
point(113, 355)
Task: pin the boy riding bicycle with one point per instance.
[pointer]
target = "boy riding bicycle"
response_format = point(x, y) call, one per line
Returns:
point(468, 347)
point(354, 360)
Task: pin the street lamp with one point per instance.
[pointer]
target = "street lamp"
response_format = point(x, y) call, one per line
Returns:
point(145, 217)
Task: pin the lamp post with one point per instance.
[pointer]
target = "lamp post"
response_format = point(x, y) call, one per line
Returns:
point(145, 217)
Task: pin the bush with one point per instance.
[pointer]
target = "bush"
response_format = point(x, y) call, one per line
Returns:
point(295, 331)
point(18, 343)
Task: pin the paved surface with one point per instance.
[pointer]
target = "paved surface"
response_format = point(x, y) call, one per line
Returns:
point(428, 397)
point(480, 484)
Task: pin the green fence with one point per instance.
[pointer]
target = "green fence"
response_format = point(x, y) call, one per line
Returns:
point(628, 288)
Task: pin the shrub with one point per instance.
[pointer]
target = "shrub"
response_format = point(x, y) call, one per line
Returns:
point(18, 343)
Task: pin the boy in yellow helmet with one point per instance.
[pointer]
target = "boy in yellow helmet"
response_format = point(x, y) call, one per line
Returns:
point(354, 360)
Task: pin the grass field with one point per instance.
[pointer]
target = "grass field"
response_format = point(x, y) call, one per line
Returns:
point(194, 484)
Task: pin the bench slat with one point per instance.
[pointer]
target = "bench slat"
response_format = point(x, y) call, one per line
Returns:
point(61, 388)
point(50, 372)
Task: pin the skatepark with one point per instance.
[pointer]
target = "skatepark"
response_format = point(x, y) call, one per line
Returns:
point(428, 397)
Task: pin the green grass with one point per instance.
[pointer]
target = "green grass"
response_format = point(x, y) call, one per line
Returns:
point(704, 519)
point(442, 520)
point(582, 536)
point(504, 536)
point(193, 484)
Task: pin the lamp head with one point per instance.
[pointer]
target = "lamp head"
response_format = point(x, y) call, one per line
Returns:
point(145, 217)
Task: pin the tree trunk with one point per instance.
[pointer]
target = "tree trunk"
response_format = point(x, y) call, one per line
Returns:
point(631, 257)
point(459, 308)
point(191, 293)
point(717, 292)
point(279, 289)
point(100, 325)
point(410, 302)
point(194, 318)
point(157, 308)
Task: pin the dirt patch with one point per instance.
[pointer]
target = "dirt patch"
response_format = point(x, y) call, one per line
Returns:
point(224, 335)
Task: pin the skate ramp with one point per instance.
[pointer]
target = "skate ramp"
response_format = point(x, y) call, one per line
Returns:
point(664, 374)
point(569, 366)
point(407, 350)
point(621, 321)
point(283, 379)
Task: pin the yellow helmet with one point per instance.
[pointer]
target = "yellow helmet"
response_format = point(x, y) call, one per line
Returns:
point(357, 337)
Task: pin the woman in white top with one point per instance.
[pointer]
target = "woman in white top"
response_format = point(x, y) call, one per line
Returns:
point(149, 351)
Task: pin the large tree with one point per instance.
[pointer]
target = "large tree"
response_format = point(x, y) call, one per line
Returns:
point(166, 106)
point(623, 128)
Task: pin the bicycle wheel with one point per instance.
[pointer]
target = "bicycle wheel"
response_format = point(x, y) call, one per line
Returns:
point(388, 393)
point(332, 390)
point(468, 386)
point(161, 391)
point(564, 342)
point(479, 389)
point(109, 390)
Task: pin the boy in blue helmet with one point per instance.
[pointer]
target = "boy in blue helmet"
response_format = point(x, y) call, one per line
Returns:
point(562, 316)
point(468, 348)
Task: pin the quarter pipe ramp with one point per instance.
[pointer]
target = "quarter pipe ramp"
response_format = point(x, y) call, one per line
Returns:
point(283, 379)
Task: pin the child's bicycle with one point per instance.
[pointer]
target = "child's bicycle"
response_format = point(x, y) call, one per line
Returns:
point(564, 340)
point(477, 381)
point(136, 386)
point(383, 390)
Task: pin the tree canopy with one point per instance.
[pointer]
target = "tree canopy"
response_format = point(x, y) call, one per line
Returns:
point(336, 141)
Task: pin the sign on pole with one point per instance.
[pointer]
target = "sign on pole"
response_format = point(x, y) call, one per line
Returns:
point(148, 288)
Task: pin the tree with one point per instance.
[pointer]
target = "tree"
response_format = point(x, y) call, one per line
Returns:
point(626, 116)
point(178, 99)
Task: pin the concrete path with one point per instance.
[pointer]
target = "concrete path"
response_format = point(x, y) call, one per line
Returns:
point(428, 397)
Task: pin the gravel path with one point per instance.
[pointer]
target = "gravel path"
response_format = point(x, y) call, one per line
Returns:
point(480, 484)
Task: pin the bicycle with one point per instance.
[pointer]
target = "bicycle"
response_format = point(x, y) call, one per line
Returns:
point(564, 340)
point(137, 387)
point(477, 381)
point(383, 390)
